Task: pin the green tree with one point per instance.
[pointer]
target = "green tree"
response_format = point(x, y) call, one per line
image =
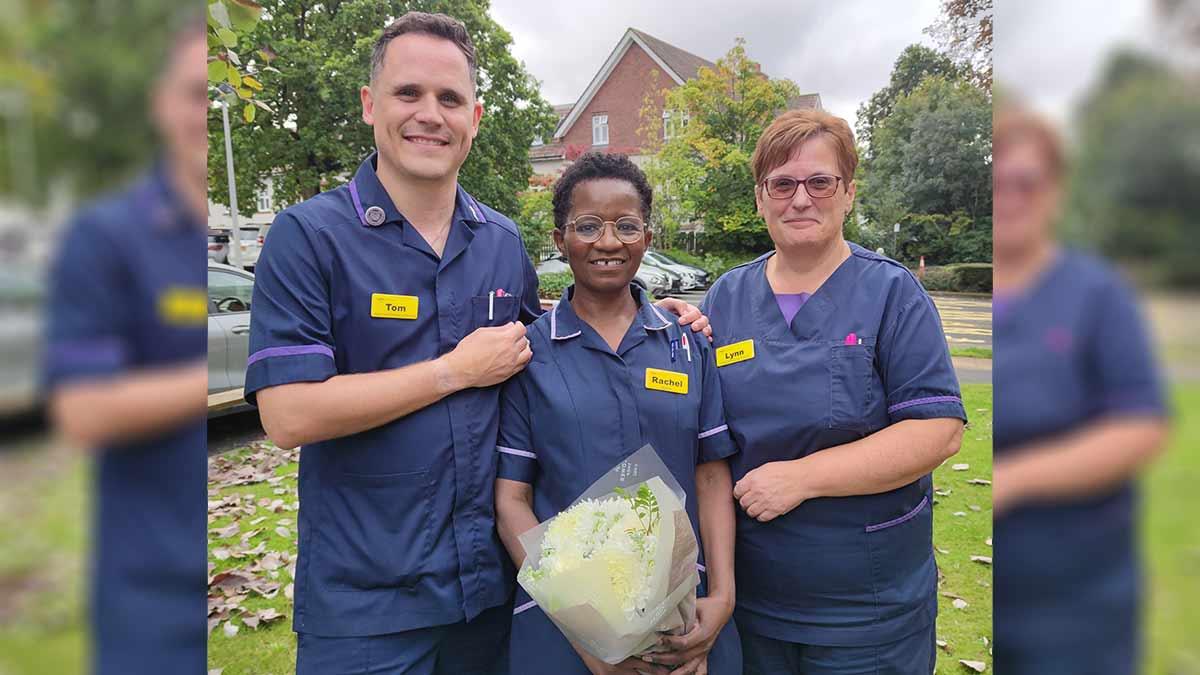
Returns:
point(314, 138)
point(1132, 192)
point(964, 32)
point(536, 220)
point(932, 156)
point(914, 64)
point(702, 174)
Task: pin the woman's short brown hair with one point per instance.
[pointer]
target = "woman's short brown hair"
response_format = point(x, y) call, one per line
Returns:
point(791, 129)
point(1012, 123)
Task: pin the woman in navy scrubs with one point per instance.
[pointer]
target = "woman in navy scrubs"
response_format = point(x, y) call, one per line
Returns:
point(840, 393)
point(1079, 409)
point(586, 402)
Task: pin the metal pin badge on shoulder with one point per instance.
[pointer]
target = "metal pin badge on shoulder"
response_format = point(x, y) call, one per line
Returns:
point(375, 216)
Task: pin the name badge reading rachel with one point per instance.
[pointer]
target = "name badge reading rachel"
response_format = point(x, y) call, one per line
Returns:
point(384, 306)
point(735, 353)
point(666, 380)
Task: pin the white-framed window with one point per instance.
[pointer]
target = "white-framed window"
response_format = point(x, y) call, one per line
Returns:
point(537, 140)
point(674, 123)
point(600, 129)
point(265, 203)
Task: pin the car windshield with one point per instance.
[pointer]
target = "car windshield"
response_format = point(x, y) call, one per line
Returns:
point(249, 235)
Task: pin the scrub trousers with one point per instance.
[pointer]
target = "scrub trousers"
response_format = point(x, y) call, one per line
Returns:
point(478, 647)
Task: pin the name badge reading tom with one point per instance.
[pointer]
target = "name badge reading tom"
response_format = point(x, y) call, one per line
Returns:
point(735, 353)
point(385, 306)
point(666, 380)
point(183, 306)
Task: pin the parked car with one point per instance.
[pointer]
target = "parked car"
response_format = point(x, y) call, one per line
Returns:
point(250, 246)
point(693, 277)
point(218, 246)
point(22, 307)
point(653, 280)
point(675, 280)
point(229, 293)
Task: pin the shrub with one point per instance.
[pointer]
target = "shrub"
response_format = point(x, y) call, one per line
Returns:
point(959, 278)
point(551, 286)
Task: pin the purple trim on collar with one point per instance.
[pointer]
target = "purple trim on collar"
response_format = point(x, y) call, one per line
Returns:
point(923, 401)
point(896, 521)
point(362, 215)
point(296, 350)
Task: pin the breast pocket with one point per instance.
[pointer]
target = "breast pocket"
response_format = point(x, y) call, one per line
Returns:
point(492, 311)
point(851, 374)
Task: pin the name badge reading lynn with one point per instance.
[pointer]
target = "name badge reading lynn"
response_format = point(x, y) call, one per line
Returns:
point(735, 353)
point(666, 380)
point(384, 306)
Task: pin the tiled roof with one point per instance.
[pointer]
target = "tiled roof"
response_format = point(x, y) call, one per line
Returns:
point(685, 64)
point(805, 101)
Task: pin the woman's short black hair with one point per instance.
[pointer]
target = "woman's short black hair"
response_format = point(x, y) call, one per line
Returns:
point(595, 166)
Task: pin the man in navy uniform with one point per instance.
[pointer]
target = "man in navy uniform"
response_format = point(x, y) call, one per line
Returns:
point(384, 314)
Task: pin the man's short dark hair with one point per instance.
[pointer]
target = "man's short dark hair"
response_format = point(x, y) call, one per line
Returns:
point(437, 25)
point(598, 166)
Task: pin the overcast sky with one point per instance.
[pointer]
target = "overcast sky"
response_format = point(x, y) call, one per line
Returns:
point(842, 49)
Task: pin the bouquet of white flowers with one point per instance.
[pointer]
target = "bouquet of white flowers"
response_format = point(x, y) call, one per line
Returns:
point(618, 567)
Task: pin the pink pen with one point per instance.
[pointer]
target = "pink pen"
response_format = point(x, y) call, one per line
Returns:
point(852, 339)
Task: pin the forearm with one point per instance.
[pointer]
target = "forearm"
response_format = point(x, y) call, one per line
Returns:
point(714, 497)
point(514, 516)
point(1081, 464)
point(308, 412)
point(130, 406)
point(887, 459)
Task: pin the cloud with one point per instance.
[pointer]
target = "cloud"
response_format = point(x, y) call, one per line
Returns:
point(841, 50)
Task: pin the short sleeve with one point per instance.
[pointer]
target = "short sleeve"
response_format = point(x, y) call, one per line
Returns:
point(716, 442)
point(290, 335)
point(1121, 363)
point(918, 375)
point(87, 317)
point(515, 442)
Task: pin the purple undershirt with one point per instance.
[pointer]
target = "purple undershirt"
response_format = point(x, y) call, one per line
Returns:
point(790, 303)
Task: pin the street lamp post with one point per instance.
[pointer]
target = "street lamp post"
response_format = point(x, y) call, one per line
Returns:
point(235, 246)
point(895, 232)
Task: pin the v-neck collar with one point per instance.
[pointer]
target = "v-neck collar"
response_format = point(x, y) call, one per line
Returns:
point(809, 320)
point(1023, 297)
point(565, 324)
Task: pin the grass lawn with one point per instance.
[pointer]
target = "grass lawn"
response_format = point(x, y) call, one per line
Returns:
point(962, 528)
point(972, 352)
point(1171, 544)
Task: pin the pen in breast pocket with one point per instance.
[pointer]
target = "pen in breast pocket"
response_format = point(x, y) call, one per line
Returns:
point(491, 305)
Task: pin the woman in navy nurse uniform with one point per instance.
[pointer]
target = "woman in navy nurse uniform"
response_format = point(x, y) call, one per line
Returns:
point(840, 393)
point(585, 403)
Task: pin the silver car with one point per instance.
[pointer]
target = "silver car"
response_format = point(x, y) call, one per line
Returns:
point(655, 281)
point(692, 277)
point(229, 292)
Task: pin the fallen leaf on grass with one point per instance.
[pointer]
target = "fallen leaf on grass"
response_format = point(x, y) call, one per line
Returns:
point(961, 467)
point(227, 531)
point(977, 666)
point(989, 541)
point(981, 559)
point(288, 591)
point(943, 646)
point(960, 513)
point(941, 550)
point(283, 532)
point(942, 493)
point(973, 507)
point(979, 481)
point(250, 621)
point(230, 629)
point(220, 553)
point(959, 603)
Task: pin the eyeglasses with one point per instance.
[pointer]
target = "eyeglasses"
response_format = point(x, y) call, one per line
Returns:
point(818, 186)
point(589, 229)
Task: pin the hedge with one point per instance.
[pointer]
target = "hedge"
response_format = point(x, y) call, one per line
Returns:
point(959, 278)
point(551, 286)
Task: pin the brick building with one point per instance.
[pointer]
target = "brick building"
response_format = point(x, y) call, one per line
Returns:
point(607, 115)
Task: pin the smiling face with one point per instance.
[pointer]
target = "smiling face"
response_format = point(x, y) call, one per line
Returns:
point(608, 264)
point(802, 221)
point(1026, 197)
point(423, 108)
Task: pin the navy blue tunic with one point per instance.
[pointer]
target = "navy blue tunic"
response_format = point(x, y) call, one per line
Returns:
point(579, 409)
point(1070, 351)
point(396, 527)
point(127, 292)
point(865, 351)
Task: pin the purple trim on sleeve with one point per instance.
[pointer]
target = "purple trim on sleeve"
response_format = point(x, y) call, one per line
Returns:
point(529, 605)
point(896, 521)
point(923, 401)
point(362, 216)
point(103, 351)
point(289, 351)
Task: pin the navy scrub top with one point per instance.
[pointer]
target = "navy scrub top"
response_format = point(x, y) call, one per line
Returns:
point(128, 292)
point(865, 351)
point(396, 526)
point(1070, 352)
point(579, 409)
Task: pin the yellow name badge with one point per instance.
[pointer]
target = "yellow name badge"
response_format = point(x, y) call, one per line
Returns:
point(666, 380)
point(384, 306)
point(183, 306)
point(735, 353)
